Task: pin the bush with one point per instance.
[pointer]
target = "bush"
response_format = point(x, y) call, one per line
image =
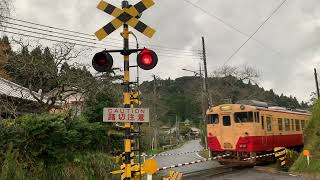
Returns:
point(39, 142)
point(312, 143)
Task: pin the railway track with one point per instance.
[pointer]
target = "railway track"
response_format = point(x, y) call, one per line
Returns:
point(208, 173)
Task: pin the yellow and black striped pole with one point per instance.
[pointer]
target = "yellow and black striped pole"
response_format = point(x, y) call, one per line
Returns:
point(280, 154)
point(126, 100)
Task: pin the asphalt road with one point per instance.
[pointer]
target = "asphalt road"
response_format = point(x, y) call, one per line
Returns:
point(252, 174)
point(247, 174)
point(164, 161)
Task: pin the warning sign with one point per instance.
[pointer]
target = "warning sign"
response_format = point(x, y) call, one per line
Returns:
point(139, 115)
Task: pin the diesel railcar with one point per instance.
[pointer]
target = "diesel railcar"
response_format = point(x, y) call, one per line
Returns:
point(249, 130)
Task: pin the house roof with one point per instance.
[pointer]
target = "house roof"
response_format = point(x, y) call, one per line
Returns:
point(195, 129)
point(12, 89)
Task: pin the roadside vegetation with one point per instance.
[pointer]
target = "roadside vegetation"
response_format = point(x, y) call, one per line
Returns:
point(50, 146)
point(312, 143)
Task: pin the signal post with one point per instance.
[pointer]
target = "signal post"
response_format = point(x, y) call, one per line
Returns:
point(126, 99)
point(147, 59)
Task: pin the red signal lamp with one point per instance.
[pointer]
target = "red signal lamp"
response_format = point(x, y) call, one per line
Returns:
point(102, 61)
point(147, 59)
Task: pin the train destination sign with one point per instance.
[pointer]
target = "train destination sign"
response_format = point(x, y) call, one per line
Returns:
point(139, 115)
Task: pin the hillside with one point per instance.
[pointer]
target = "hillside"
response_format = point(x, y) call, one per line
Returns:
point(312, 143)
point(181, 98)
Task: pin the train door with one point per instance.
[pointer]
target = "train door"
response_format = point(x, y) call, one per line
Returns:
point(269, 132)
point(263, 128)
point(227, 137)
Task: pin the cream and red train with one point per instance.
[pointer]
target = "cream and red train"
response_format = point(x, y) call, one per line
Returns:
point(249, 130)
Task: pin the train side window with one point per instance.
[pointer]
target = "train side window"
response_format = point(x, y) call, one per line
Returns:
point(297, 125)
point(303, 124)
point(262, 122)
point(280, 125)
point(287, 124)
point(292, 125)
point(213, 119)
point(243, 117)
point(226, 121)
point(269, 125)
point(256, 116)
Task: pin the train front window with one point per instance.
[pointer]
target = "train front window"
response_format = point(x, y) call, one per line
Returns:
point(243, 117)
point(213, 119)
point(226, 120)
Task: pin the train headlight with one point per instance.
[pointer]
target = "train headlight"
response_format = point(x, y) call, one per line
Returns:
point(243, 145)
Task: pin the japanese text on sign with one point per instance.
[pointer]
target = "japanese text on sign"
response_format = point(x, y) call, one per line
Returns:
point(126, 115)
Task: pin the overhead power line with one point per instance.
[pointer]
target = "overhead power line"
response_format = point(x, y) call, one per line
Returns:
point(61, 37)
point(228, 25)
point(78, 40)
point(44, 38)
point(64, 40)
point(237, 50)
point(91, 35)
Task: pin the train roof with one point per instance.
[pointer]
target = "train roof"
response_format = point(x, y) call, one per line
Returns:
point(270, 108)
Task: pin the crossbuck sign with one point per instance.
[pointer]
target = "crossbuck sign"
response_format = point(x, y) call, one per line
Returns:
point(126, 15)
point(138, 115)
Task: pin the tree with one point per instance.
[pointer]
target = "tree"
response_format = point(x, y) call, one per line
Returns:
point(244, 73)
point(105, 94)
point(49, 73)
point(5, 52)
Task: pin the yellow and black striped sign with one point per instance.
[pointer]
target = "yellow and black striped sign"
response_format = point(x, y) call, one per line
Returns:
point(126, 15)
point(281, 153)
point(134, 97)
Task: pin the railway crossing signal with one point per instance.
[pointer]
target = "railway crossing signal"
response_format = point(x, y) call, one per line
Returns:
point(146, 59)
point(125, 16)
point(102, 61)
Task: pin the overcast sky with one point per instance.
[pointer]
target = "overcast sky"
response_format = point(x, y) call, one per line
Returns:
point(285, 50)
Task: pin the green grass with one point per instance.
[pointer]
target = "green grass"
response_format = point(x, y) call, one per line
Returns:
point(312, 143)
point(90, 165)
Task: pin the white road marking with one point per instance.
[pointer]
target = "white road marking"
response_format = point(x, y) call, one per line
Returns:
point(200, 156)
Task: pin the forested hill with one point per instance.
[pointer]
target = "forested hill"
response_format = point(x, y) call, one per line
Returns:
point(182, 97)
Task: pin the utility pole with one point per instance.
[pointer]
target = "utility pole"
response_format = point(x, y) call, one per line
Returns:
point(204, 56)
point(177, 128)
point(317, 84)
point(155, 109)
point(205, 89)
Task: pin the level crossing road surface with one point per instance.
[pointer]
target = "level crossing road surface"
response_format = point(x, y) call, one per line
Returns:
point(252, 174)
point(194, 145)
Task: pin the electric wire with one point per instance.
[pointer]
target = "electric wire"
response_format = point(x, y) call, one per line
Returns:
point(160, 51)
point(229, 25)
point(91, 35)
point(54, 40)
point(91, 39)
point(238, 49)
point(85, 45)
point(50, 35)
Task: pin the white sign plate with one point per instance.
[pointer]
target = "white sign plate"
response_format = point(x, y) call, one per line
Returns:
point(138, 115)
